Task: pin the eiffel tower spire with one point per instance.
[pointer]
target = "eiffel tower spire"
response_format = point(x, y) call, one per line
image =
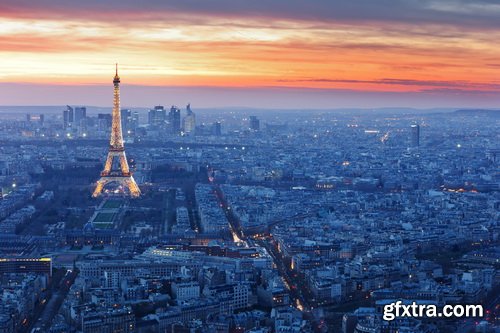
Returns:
point(116, 168)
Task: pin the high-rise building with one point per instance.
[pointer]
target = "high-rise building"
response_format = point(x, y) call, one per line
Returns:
point(254, 123)
point(104, 121)
point(134, 122)
point(71, 113)
point(151, 117)
point(189, 120)
point(174, 118)
point(80, 113)
point(126, 117)
point(415, 135)
point(82, 128)
point(217, 128)
point(157, 116)
point(67, 117)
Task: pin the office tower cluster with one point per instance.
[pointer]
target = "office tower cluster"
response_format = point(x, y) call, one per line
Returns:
point(75, 121)
point(74, 117)
point(160, 121)
point(171, 122)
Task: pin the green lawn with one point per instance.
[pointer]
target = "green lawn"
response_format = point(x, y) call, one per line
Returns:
point(104, 217)
point(103, 225)
point(110, 204)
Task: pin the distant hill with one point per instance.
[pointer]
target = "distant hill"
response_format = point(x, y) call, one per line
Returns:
point(477, 112)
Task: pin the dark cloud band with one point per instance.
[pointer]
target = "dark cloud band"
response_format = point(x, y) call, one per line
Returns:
point(464, 13)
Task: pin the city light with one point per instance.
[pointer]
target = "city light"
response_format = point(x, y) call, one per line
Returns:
point(292, 166)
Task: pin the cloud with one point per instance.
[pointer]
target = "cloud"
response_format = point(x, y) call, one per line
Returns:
point(412, 45)
point(480, 13)
point(34, 43)
point(443, 86)
point(459, 92)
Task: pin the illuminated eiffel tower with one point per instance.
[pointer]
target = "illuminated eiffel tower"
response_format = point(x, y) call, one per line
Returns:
point(116, 169)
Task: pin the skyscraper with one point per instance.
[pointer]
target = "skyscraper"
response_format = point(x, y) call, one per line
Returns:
point(151, 117)
point(157, 116)
point(80, 113)
point(134, 123)
point(217, 128)
point(67, 117)
point(71, 114)
point(415, 135)
point(254, 123)
point(174, 118)
point(126, 118)
point(104, 121)
point(189, 120)
point(82, 127)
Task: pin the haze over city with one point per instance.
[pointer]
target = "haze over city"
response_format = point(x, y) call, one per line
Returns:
point(249, 166)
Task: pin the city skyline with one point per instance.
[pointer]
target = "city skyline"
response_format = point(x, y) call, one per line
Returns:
point(281, 55)
point(230, 166)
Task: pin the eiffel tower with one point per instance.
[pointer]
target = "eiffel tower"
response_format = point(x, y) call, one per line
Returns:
point(116, 168)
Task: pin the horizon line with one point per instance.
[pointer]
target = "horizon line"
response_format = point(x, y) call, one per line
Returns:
point(388, 108)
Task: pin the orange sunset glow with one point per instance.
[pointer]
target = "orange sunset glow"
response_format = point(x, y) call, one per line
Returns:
point(435, 47)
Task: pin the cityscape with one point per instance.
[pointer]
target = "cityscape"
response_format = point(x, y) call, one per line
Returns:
point(181, 216)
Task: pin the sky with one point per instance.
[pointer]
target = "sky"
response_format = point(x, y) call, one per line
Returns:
point(268, 54)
